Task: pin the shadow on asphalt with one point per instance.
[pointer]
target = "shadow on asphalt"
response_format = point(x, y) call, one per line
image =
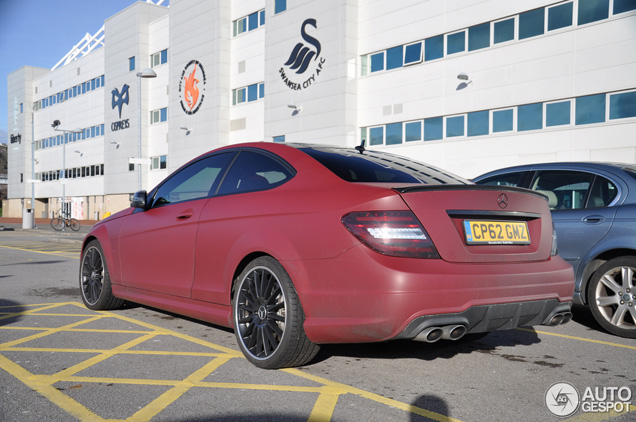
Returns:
point(9, 306)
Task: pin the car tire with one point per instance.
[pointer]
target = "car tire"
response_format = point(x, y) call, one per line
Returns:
point(612, 296)
point(268, 317)
point(94, 281)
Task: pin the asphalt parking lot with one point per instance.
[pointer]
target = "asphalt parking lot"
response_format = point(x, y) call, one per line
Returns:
point(60, 361)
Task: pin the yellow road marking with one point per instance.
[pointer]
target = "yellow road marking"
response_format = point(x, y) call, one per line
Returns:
point(65, 254)
point(588, 340)
point(328, 392)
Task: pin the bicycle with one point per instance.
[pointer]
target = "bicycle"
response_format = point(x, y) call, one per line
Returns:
point(61, 222)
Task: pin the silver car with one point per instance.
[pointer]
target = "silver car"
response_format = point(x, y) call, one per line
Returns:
point(594, 212)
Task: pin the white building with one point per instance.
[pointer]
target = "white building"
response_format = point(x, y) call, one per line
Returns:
point(467, 85)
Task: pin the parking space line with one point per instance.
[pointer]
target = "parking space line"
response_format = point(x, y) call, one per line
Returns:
point(328, 392)
point(74, 254)
point(588, 340)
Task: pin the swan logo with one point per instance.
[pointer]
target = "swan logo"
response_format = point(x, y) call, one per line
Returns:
point(192, 87)
point(120, 98)
point(304, 61)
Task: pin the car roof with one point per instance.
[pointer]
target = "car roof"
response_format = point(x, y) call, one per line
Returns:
point(611, 167)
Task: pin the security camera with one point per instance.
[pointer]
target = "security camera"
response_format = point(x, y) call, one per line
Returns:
point(55, 124)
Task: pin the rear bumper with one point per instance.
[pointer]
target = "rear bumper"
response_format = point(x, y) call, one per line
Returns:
point(481, 319)
point(363, 296)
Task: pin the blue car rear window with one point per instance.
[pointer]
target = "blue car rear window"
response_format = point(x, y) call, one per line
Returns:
point(377, 167)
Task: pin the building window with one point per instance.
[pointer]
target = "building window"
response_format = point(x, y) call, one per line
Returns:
point(394, 133)
point(530, 117)
point(502, 120)
point(478, 123)
point(394, 57)
point(531, 23)
point(454, 126)
point(434, 48)
point(279, 139)
point(621, 6)
point(248, 23)
point(433, 128)
point(622, 105)
point(377, 62)
point(376, 136)
point(280, 6)
point(557, 114)
point(158, 116)
point(560, 16)
point(248, 93)
point(159, 58)
point(456, 43)
point(413, 131)
point(159, 163)
point(504, 31)
point(592, 11)
point(479, 36)
point(590, 109)
point(131, 63)
point(413, 53)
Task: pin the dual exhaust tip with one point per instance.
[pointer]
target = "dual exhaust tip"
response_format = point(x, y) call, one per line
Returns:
point(448, 332)
point(560, 318)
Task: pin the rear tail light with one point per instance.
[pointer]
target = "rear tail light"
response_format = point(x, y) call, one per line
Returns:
point(394, 233)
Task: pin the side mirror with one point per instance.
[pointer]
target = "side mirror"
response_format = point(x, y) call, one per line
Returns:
point(139, 200)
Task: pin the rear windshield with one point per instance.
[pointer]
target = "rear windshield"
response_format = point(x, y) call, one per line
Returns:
point(379, 167)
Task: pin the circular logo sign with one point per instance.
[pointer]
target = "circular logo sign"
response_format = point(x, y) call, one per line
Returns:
point(503, 201)
point(192, 87)
point(562, 399)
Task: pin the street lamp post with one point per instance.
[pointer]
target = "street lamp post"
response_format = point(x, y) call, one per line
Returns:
point(55, 125)
point(146, 73)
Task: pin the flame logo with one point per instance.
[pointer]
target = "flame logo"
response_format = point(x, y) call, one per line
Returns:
point(120, 98)
point(301, 55)
point(191, 94)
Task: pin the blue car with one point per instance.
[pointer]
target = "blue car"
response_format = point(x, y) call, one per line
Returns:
point(594, 213)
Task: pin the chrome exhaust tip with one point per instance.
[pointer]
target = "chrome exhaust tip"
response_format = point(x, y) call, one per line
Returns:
point(454, 332)
point(567, 317)
point(556, 320)
point(430, 335)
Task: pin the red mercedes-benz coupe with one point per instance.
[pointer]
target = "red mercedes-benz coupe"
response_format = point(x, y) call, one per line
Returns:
point(296, 245)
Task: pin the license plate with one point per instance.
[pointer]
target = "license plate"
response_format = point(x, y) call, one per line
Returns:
point(480, 232)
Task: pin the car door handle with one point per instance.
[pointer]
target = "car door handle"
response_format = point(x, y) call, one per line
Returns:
point(594, 219)
point(185, 215)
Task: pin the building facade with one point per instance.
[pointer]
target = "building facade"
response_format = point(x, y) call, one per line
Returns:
point(469, 86)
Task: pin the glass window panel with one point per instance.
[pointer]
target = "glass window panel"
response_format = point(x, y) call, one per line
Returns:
point(262, 17)
point(434, 48)
point(623, 105)
point(557, 114)
point(479, 36)
point(569, 187)
point(164, 114)
point(242, 25)
point(530, 117)
point(261, 90)
point(164, 56)
point(253, 21)
point(364, 67)
point(252, 92)
point(590, 109)
point(394, 133)
point(456, 43)
point(92, 84)
point(280, 6)
point(131, 63)
point(279, 139)
point(377, 62)
point(593, 10)
point(413, 53)
point(93, 132)
point(478, 123)
point(433, 128)
point(413, 131)
point(394, 57)
point(376, 136)
point(163, 162)
point(621, 6)
point(454, 126)
point(531, 23)
point(560, 16)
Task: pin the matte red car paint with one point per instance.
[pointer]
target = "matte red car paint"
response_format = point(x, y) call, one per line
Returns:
point(349, 293)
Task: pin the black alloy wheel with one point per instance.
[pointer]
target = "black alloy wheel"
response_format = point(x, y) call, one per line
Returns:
point(268, 317)
point(95, 281)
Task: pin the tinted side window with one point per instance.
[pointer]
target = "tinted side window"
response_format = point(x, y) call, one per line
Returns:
point(566, 190)
point(510, 179)
point(193, 182)
point(253, 171)
point(602, 194)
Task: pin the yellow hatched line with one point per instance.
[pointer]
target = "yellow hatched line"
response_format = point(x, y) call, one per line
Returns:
point(64, 254)
point(328, 391)
point(587, 340)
